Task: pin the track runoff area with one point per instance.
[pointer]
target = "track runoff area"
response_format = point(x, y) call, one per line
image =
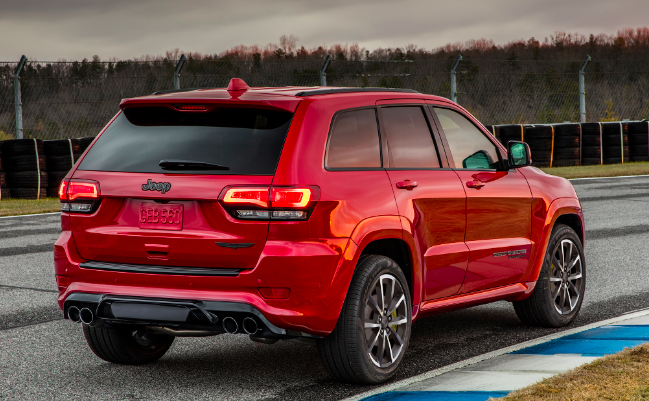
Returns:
point(478, 352)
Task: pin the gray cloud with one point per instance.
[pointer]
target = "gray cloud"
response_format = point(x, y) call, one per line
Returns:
point(74, 29)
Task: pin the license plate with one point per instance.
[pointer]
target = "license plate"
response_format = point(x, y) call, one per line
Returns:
point(161, 217)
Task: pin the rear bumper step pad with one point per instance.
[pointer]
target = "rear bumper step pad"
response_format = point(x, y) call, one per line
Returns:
point(152, 269)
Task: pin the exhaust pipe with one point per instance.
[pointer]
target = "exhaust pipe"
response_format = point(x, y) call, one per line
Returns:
point(73, 314)
point(86, 316)
point(250, 325)
point(230, 325)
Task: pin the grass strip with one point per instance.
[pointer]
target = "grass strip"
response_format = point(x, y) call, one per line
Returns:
point(15, 207)
point(622, 376)
point(606, 170)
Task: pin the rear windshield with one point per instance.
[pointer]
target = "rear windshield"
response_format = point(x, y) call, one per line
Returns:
point(247, 141)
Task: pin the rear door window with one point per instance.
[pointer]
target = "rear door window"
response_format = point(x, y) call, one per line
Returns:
point(409, 138)
point(354, 141)
point(247, 141)
point(469, 147)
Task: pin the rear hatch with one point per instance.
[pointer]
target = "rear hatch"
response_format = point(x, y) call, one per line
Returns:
point(167, 213)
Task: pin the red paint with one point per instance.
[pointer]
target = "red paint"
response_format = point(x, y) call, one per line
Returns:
point(450, 230)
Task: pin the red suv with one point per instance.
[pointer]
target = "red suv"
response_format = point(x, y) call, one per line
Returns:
point(339, 215)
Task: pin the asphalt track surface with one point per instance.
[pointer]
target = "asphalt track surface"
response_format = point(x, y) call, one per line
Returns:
point(44, 357)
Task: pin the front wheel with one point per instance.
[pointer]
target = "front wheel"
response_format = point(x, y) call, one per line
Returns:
point(559, 291)
point(373, 329)
point(128, 346)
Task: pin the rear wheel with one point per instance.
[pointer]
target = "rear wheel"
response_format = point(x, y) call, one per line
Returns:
point(373, 330)
point(127, 346)
point(559, 291)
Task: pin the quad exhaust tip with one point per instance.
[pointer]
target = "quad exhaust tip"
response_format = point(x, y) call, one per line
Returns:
point(250, 325)
point(230, 325)
point(86, 316)
point(73, 314)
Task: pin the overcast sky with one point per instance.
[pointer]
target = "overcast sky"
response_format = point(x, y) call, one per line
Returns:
point(77, 29)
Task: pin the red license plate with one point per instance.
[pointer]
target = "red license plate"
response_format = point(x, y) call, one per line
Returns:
point(161, 217)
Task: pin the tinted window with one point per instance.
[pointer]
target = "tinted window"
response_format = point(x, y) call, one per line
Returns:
point(248, 141)
point(470, 148)
point(354, 141)
point(409, 138)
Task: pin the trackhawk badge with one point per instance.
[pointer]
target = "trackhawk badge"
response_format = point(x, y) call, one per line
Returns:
point(156, 186)
point(519, 253)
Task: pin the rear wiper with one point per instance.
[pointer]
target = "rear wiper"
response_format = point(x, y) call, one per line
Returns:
point(190, 165)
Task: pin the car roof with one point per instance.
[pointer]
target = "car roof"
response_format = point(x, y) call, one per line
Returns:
point(285, 98)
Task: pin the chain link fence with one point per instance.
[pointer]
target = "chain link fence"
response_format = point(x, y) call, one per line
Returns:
point(76, 99)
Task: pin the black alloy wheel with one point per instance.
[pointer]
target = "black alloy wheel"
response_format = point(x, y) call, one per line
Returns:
point(373, 329)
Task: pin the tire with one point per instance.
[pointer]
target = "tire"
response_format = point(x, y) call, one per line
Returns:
point(27, 179)
point(27, 193)
point(61, 147)
point(591, 161)
point(119, 345)
point(25, 163)
point(344, 352)
point(52, 192)
point(590, 152)
point(59, 162)
point(566, 153)
point(639, 150)
point(54, 178)
point(5, 193)
point(615, 160)
point(22, 147)
point(541, 309)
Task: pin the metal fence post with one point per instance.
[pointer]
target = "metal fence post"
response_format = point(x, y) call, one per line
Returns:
point(453, 81)
point(323, 71)
point(179, 67)
point(582, 91)
point(18, 99)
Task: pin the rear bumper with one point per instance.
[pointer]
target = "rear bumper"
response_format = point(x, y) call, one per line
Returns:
point(317, 272)
point(176, 314)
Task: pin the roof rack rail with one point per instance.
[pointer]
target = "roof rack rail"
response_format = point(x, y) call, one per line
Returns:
point(176, 91)
point(351, 90)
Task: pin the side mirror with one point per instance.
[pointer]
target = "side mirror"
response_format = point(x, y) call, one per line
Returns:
point(518, 154)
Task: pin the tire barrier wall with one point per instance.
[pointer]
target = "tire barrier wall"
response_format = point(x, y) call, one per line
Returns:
point(34, 169)
point(562, 145)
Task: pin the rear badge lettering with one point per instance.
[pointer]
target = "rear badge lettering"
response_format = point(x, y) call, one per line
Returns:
point(156, 186)
point(519, 253)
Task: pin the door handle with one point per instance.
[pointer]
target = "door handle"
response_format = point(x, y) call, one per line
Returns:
point(475, 184)
point(406, 184)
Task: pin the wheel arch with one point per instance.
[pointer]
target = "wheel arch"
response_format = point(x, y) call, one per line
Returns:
point(396, 249)
point(383, 235)
point(561, 211)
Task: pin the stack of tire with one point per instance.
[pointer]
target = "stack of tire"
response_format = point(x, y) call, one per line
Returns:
point(639, 141)
point(26, 168)
point(591, 147)
point(4, 190)
point(615, 142)
point(539, 139)
point(61, 155)
point(566, 145)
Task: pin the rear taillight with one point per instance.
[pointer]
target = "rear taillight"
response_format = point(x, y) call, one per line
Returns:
point(274, 203)
point(78, 196)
